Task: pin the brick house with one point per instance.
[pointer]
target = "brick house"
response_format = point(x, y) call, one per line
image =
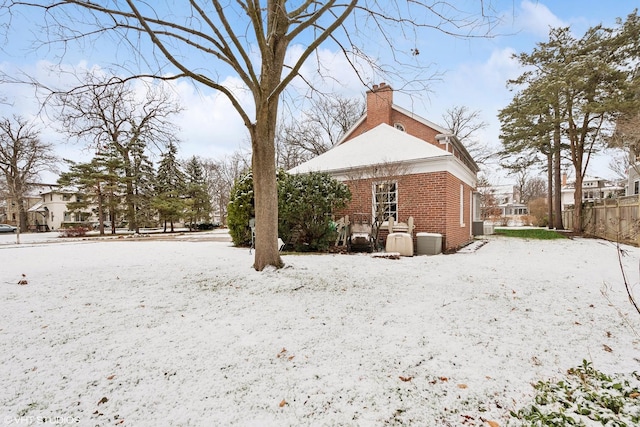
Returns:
point(405, 166)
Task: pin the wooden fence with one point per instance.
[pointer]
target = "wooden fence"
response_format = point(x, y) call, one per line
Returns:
point(616, 220)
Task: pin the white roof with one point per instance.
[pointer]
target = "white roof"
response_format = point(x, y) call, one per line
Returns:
point(381, 145)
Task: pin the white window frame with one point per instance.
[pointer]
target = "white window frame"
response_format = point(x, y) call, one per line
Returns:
point(462, 224)
point(390, 193)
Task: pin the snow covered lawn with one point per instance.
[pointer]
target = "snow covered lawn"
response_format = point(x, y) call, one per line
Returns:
point(183, 332)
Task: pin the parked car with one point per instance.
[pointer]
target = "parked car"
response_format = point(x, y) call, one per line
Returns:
point(6, 228)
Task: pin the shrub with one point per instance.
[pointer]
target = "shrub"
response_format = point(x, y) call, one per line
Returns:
point(75, 231)
point(585, 395)
point(305, 205)
point(240, 210)
point(538, 210)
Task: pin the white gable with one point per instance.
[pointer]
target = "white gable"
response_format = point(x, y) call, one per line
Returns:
point(381, 145)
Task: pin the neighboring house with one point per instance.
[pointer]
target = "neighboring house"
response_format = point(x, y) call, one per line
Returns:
point(47, 208)
point(3, 211)
point(506, 206)
point(594, 189)
point(406, 166)
point(633, 179)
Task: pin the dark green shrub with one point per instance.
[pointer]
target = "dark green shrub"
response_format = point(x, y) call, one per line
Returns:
point(305, 205)
point(240, 210)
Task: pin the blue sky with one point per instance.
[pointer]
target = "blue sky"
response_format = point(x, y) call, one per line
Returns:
point(473, 73)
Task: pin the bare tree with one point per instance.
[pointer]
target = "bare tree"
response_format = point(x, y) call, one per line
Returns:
point(251, 41)
point(626, 137)
point(534, 188)
point(107, 114)
point(465, 124)
point(318, 129)
point(489, 205)
point(23, 156)
point(220, 176)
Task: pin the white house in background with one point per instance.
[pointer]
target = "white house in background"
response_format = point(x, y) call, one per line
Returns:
point(594, 189)
point(509, 201)
point(46, 208)
point(633, 179)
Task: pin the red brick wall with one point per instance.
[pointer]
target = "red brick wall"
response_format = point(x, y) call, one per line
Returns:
point(432, 199)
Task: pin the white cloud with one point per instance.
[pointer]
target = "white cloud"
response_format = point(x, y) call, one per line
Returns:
point(537, 19)
point(210, 126)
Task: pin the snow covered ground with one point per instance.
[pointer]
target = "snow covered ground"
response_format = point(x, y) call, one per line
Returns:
point(183, 332)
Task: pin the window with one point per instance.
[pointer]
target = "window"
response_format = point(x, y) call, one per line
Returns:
point(385, 200)
point(636, 187)
point(461, 205)
point(67, 216)
point(399, 126)
point(66, 197)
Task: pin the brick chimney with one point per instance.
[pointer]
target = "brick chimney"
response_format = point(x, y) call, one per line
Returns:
point(379, 101)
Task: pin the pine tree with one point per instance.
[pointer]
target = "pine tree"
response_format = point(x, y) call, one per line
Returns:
point(99, 182)
point(570, 96)
point(170, 186)
point(199, 202)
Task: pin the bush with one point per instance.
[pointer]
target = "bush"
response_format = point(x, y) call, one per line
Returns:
point(305, 205)
point(75, 231)
point(538, 210)
point(240, 210)
point(585, 395)
point(203, 226)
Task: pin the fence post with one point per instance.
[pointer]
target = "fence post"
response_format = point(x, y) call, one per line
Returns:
point(619, 221)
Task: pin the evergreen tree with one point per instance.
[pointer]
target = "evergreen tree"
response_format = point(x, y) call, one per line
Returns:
point(198, 200)
point(170, 186)
point(141, 176)
point(570, 96)
point(99, 182)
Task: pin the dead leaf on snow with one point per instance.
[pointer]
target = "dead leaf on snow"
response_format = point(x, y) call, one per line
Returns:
point(103, 400)
point(634, 395)
point(493, 423)
point(463, 386)
point(607, 348)
point(405, 379)
point(284, 402)
point(110, 377)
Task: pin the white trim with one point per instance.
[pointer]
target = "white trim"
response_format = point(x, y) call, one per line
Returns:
point(462, 205)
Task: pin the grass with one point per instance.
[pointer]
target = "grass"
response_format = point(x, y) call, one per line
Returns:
point(530, 233)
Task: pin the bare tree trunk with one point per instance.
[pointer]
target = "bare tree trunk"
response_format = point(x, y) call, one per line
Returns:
point(557, 185)
point(265, 189)
point(578, 226)
point(550, 192)
point(23, 222)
